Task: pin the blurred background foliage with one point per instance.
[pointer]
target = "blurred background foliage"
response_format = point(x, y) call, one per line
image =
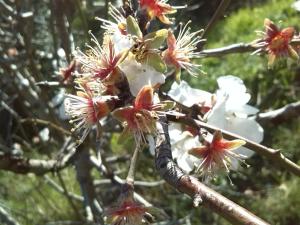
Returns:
point(268, 192)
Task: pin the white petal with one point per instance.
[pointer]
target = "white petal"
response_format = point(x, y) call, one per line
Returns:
point(244, 152)
point(231, 84)
point(296, 5)
point(188, 96)
point(247, 128)
point(121, 42)
point(139, 75)
point(234, 88)
point(217, 116)
point(185, 163)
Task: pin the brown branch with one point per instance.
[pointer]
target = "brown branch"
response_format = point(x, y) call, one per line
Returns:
point(275, 155)
point(24, 165)
point(83, 169)
point(286, 113)
point(235, 48)
point(230, 49)
point(48, 124)
point(195, 189)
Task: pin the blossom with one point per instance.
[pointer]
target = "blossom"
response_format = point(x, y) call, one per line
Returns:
point(101, 62)
point(117, 29)
point(276, 42)
point(159, 9)
point(232, 113)
point(86, 110)
point(140, 118)
point(180, 51)
point(216, 155)
point(140, 74)
point(227, 110)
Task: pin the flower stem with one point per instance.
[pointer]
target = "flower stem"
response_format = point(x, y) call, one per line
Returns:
point(131, 172)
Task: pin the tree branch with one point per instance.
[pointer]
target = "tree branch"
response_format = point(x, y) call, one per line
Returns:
point(286, 113)
point(195, 189)
point(24, 165)
point(235, 48)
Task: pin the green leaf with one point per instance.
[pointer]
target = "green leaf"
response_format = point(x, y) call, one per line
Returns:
point(154, 60)
point(133, 27)
point(156, 39)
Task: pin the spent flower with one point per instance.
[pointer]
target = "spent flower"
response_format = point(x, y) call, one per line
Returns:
point(216, 155)
point(140, 118)
point(276, 42)
point(159, 9)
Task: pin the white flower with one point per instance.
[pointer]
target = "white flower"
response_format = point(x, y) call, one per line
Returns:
point(139, 75)
point(181, 141)
point(231, 111)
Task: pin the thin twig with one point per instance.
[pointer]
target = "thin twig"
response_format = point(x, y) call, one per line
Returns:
point(218, 13)
point(24, 165)
point(70, 200)
point(48, 124)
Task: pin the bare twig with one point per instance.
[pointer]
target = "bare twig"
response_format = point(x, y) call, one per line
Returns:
point(195, 189)
point(235, 48)
point(286, 113)
point(58, 188)
point(218, 13)
point(24, 165)
point(66, 193)
point(48, 124)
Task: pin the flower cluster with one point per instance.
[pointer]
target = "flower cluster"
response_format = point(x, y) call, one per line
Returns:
point(128, 62)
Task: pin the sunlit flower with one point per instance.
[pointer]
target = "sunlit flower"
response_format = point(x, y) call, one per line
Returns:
point(227, 110)
point(129, 212)
point(232, 113)
point(101, 62)
point(86, 111)
point(140, 118)
point(159, 9)
point(276, 42)
point(139, 74)
point(216, 155)
point(117, 29)
point(180, 51)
